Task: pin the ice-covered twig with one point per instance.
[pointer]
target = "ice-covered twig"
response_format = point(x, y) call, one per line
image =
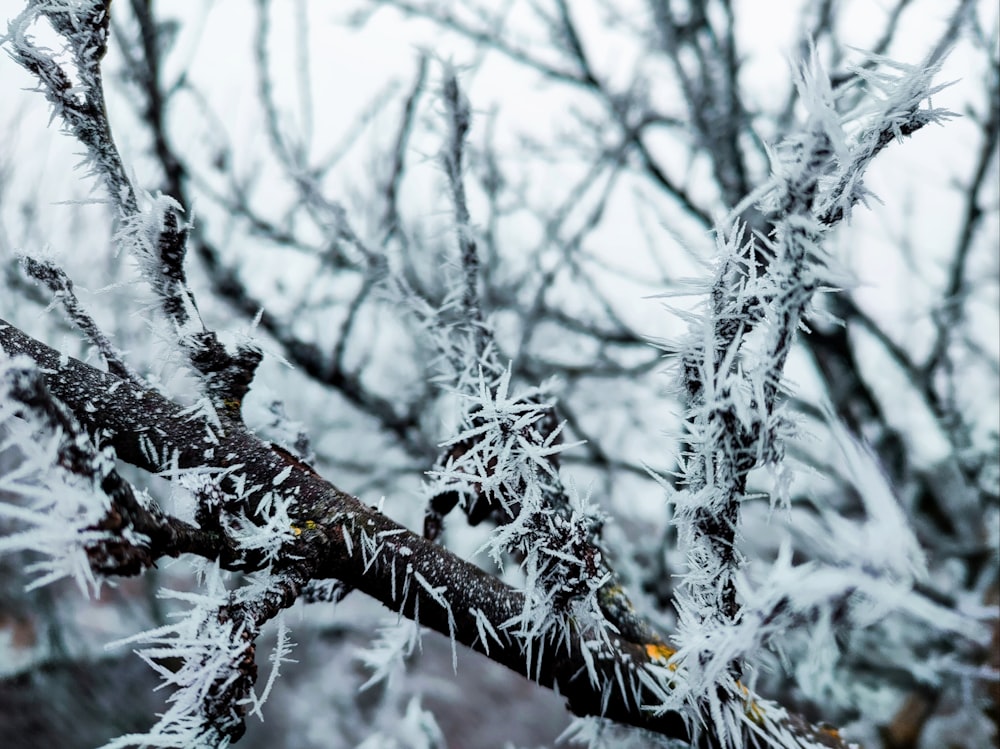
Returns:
point(76, 92)
point(114, 535)
point(731, 367)
point(157, 238)
point(502, 464)
point(61, 286)
point(459, 117)
point(214, 642)
point(151, 230)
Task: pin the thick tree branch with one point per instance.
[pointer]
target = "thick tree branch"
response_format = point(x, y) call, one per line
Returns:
point(337, 536)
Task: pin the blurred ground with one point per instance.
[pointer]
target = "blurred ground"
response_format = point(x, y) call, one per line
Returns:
point(483, 706)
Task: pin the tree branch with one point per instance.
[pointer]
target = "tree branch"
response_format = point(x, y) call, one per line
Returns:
point(337, 536)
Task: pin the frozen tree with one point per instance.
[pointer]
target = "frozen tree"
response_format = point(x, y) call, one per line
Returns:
point(787, 539)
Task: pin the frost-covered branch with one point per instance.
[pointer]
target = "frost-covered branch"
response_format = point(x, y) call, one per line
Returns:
point(331, 534)
point(150, 228)
point(731, 368)
point(459, 120)
point(76, 90)
point(61, 286)
point(156, 237)
point(325, 533)
point(80, 514)
point(502, 463)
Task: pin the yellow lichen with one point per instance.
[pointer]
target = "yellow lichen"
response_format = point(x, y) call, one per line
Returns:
point(753, 709)
point(658, 651)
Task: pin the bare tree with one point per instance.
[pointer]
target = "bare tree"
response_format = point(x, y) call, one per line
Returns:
point(467, 322)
